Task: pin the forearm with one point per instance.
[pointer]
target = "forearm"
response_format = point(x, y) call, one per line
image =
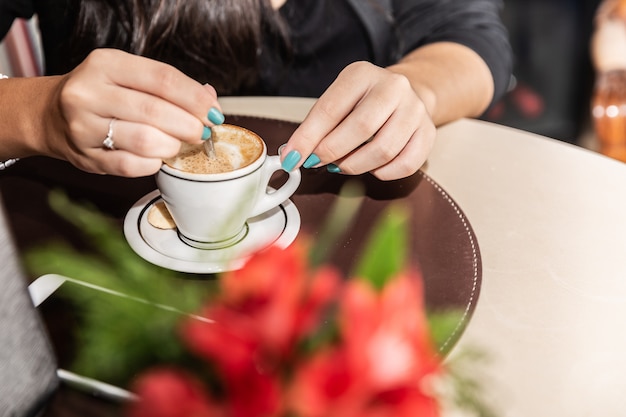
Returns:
point(451, 79)
point(29, 116)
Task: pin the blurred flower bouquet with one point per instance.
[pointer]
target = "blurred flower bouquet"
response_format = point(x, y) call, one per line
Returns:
point(289, 341)
point(284, 336)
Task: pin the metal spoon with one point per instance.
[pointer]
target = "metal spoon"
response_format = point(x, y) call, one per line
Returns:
point(209, 148)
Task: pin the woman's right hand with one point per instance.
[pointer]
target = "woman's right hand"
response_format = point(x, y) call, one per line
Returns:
point(154, 106)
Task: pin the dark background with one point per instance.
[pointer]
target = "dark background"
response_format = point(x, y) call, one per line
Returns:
point(552, 70)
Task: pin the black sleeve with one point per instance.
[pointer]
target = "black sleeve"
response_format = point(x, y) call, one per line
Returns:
point(11, 9)
point(473, 23)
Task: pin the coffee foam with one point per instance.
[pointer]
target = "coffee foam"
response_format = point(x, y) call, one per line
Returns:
point(235, 147)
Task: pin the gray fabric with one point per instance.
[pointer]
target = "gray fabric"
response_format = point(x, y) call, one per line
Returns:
point(27, 365)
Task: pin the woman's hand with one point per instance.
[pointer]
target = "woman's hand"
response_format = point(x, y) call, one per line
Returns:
point(369, 120)
point(154, 106)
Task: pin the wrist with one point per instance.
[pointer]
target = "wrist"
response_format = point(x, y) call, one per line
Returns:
point(8, 162)
point(28, 116)
point(451, 79)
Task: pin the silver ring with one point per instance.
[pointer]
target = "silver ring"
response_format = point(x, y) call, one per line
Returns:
point(108, 141)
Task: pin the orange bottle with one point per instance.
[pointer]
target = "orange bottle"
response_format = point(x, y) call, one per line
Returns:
point(608, 55)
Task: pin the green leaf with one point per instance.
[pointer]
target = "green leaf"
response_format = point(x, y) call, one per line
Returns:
point(467, 392)
point(443, 325)
point(120, 337)
point(385, 254)
point(117, 336)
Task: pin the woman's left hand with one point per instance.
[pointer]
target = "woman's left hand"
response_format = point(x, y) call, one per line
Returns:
point(369, 120)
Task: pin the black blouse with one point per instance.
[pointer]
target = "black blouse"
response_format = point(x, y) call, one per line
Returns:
point(326, 35)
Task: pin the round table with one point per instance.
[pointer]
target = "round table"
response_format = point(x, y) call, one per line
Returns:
point(549, 218)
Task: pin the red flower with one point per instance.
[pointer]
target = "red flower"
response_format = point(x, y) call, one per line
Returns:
point(384, 361)
point(263, 311)
point(170, 393)
point(380, 365)
point(327, 386)
point(255, 394)
point(386, 333)
point(277, 291)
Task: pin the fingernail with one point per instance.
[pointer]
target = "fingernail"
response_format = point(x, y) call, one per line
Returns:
point(206, 133)
point(311, 161)
point(215, 116)
point(333, 168)
point(290, 161)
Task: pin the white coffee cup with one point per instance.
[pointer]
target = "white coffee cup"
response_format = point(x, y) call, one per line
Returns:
point(211, 209)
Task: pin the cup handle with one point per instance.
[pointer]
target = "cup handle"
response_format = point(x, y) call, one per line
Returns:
point(268, 201)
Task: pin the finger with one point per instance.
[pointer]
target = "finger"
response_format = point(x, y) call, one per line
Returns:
point(399, 148)
point(141, 140)
point(161, 80)
point(328, 111)
point(365, 121)
point(412, 157)
point(139, 101)
point(391, 138)
point(117, 162)
point(368, 158)
point(142, 108)
point(213, 92)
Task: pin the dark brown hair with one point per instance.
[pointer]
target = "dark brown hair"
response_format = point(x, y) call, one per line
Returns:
point(214, 41)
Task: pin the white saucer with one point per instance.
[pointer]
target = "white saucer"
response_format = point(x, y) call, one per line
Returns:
point(279, 227)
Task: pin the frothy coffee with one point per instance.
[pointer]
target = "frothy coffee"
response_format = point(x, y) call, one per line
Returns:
point(235, 147)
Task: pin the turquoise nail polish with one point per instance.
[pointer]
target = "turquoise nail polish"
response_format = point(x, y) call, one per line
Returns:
point(311, 161)
point(215, 116)
point(206, 133)
point(290, 161)
point(333, 168)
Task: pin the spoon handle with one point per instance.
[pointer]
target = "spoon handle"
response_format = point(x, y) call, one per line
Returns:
point(209, 148)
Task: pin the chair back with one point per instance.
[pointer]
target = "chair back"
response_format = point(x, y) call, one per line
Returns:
point(27, 362)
